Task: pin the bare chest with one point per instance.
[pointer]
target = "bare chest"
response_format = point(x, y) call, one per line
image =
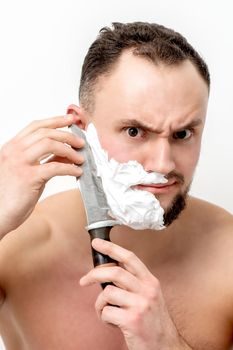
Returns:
point(197, 303)
point(47, 308)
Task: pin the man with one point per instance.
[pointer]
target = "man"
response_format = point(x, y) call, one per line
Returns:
point(146, 91)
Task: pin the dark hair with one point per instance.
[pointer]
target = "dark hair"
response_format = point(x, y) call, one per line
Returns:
point(150, 40)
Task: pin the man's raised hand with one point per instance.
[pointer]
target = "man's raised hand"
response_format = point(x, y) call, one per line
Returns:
point(35, 155)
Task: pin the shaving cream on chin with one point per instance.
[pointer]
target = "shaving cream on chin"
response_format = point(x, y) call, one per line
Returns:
point(135, 208)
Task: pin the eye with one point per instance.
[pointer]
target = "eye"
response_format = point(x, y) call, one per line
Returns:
point(133, 131)
point(183, 134)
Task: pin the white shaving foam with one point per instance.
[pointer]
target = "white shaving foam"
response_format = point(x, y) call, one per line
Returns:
point(135, 208)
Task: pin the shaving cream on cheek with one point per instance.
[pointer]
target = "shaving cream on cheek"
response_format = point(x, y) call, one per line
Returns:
point(135, 208)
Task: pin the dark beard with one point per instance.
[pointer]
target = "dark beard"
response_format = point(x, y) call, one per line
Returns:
point(178, 204)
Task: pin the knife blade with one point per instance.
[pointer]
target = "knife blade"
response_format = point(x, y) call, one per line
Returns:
point(99, 222)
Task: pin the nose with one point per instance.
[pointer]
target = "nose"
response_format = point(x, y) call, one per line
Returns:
point(159, 157)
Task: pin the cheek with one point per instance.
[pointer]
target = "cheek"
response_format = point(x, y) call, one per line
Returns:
point(186, 163)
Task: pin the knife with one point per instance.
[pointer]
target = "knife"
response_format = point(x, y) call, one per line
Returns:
point(99, 222)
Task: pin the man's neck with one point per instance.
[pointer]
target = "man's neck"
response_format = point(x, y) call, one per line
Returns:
point(156, 246)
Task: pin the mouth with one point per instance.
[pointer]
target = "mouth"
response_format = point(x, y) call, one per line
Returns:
point(158, 188)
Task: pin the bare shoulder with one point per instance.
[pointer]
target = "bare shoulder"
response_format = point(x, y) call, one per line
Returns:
point(211, 237)
point(41, 237)
point(209, 215)
point(64, 210)
point(208, 237)
point(67, 197)
point(208, 234)
point(61, 209)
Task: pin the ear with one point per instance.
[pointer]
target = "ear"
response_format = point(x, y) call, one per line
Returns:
point(81, 118)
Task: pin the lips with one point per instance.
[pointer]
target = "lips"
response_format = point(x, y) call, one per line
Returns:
point(161, 185)
point(158, 188)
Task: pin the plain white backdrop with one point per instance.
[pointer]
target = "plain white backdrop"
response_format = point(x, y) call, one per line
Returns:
point(43, 44)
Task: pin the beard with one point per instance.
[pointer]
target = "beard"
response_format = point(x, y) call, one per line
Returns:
point(177, 206)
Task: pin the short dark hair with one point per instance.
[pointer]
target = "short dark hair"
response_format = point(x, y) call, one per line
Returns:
point(150, 40)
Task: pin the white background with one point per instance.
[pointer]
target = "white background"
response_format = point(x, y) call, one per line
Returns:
point(43, 44)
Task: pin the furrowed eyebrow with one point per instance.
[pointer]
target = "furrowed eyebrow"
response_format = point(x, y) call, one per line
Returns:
point(139, 124)
point(192, 124)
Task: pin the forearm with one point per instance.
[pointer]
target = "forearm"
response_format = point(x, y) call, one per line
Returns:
point(164, 344)
point(169, 344)
point(173, 339)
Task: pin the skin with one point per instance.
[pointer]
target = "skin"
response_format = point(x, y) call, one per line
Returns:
point(174, 288)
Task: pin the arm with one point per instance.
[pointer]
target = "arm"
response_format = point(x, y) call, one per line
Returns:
point(16, 248)
point(25, 169)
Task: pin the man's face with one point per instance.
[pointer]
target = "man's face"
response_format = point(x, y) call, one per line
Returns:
point(155, 115)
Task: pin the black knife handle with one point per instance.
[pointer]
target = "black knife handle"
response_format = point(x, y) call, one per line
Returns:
point(99, 258)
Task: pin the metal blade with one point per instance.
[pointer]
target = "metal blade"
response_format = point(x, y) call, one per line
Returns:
point(95, 202)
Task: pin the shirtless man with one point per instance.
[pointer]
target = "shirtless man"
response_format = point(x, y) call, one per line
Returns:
point(146, 91)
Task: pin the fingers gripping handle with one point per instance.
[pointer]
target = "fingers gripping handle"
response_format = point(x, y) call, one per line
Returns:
point(99, 258)
point(103, 233)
